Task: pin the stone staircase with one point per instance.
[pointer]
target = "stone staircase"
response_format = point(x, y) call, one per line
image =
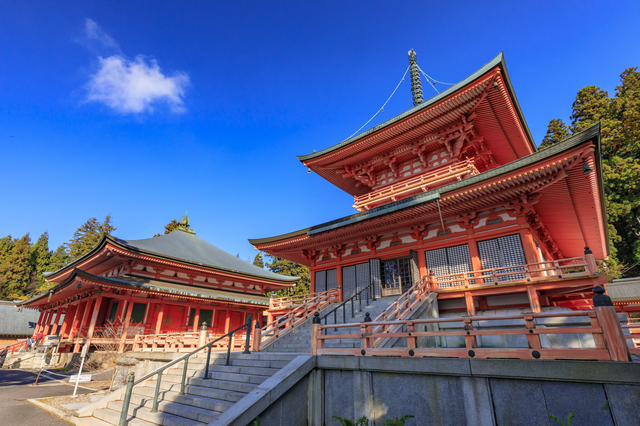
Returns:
point(299, 339)
point(204, 399)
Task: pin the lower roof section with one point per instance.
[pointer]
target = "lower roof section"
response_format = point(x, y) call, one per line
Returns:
point(68, 288)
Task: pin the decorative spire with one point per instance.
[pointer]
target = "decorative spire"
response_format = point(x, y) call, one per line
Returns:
point(416, 83)
point(184, 225)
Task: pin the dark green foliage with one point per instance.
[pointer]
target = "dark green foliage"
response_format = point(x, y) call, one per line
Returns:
point(15, 270)
point(362, 421)
point(557, 420)
point(40, 259)
point(619, 119)
point(258, 261)
point(169, 227)
point(87, 236)
point(291, 269)
point(556, 132)
point(398, 421)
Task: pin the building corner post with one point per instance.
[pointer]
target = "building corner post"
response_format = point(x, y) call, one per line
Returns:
point(612, 333)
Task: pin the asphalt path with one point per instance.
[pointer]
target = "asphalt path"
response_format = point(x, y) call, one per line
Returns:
point(16, 386)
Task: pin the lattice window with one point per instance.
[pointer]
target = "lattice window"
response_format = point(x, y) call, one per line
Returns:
point(321, 281)
point(449, 260)
point(396, 273)
point(363, 278)
point(348, 282)
point(503, 252)
point(374, 271)
point(332, 281)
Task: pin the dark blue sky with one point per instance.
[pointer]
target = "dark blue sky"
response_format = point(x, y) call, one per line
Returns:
point(147, 109)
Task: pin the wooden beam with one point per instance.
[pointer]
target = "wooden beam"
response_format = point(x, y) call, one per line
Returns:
point(125, 326)
point(534, 301)
point(471, 306)
point(85, 315)
point(159, 317)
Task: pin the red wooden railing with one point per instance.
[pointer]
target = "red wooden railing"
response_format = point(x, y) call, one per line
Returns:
point(530, 272)
point(609, 342)
point(19, 346)
point(285, 323)
point(422, 182)
point(633, 326)
point(184, 341)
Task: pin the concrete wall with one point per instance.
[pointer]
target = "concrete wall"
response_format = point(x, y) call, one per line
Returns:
point(442, 391)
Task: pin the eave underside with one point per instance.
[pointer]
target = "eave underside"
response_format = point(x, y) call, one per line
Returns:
point(568, 202)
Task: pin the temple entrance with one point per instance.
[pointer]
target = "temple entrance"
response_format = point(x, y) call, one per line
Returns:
point(325, 280)
point(396, 276)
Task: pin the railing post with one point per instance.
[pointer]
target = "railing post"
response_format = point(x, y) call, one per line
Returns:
point(532, 339)
point(611, 330)
point(366, 331)
point(206, 366)
point(127, 399)
point(470, 342)
point(257, 337)
point(315, 328)
point(411, 340)
point(592, 266)
point(154, 407)
point(202, 340)
point(247, 341)
point(184, 375)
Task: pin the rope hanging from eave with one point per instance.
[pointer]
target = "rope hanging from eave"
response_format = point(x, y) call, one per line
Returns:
point(383, 105)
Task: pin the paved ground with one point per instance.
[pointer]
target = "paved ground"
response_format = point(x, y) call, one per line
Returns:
point(16, 387)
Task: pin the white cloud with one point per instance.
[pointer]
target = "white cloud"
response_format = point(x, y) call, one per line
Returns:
point(132, 86)
point(95, 33)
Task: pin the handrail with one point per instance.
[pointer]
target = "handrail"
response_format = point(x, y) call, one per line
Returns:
point(351, 299)
point(12, 347)
point(131, 383)
point(294, 317)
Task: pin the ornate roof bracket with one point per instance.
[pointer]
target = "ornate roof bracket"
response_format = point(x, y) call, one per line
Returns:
point(391, 162)
point(372, 242)
point(310, 255)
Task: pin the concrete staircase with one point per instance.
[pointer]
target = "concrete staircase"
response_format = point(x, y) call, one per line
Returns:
point(204, 399)
point(299, 339)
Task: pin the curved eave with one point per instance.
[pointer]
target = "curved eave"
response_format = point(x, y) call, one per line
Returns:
point(108, 239)
point(590, 134)
point(497, 61)
point(284, 280)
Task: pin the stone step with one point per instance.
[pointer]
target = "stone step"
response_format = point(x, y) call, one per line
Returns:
point(254, 371)
point(224, 385)
point(253, 363)
point(159, 418)
point(94, 421)
point(207, 392)
point(234, 377)
point(112, 417)
point(188, 400)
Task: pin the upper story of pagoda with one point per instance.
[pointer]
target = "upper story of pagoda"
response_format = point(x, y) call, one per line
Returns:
point(474, 126)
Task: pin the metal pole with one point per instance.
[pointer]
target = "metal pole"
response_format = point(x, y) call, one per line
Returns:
point(154, 408)
point(352, 312)
point(206, 367)
point(229, 349)
point(79, 371)
point(127, 399)
point(184, 376)
point(246, 343)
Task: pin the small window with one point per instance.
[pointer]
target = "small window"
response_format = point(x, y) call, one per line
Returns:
point(443, 233)
point(114, 311)
point(138, 311)
point(355, 251)
point(206, 315)
point(326, 257)
point(494, 221)
point(395, 243)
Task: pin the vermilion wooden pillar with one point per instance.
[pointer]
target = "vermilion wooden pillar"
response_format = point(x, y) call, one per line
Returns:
point(196, 319)
point(85, 316)
point(94, 318)
point(125, 326)
point(68, 318)
point(529, 246)
point(227, 321)
point(339, 281)
point(163, 306)
point(38, 324)
point(51, 326)
point(312, 278)
point(534, 300)
point(76, 320)
point(471, 306)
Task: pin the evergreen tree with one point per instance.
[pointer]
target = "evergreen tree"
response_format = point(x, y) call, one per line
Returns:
point(169, 227)
point(619, 119)
point(59, 258)
point(291, 269)
point(87, 236)
point(15, 271)
point(40, 260)
point(556, 132)
point(258, 261)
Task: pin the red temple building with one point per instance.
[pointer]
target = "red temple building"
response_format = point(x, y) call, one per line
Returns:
point(455, 188)
point(161, 286)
